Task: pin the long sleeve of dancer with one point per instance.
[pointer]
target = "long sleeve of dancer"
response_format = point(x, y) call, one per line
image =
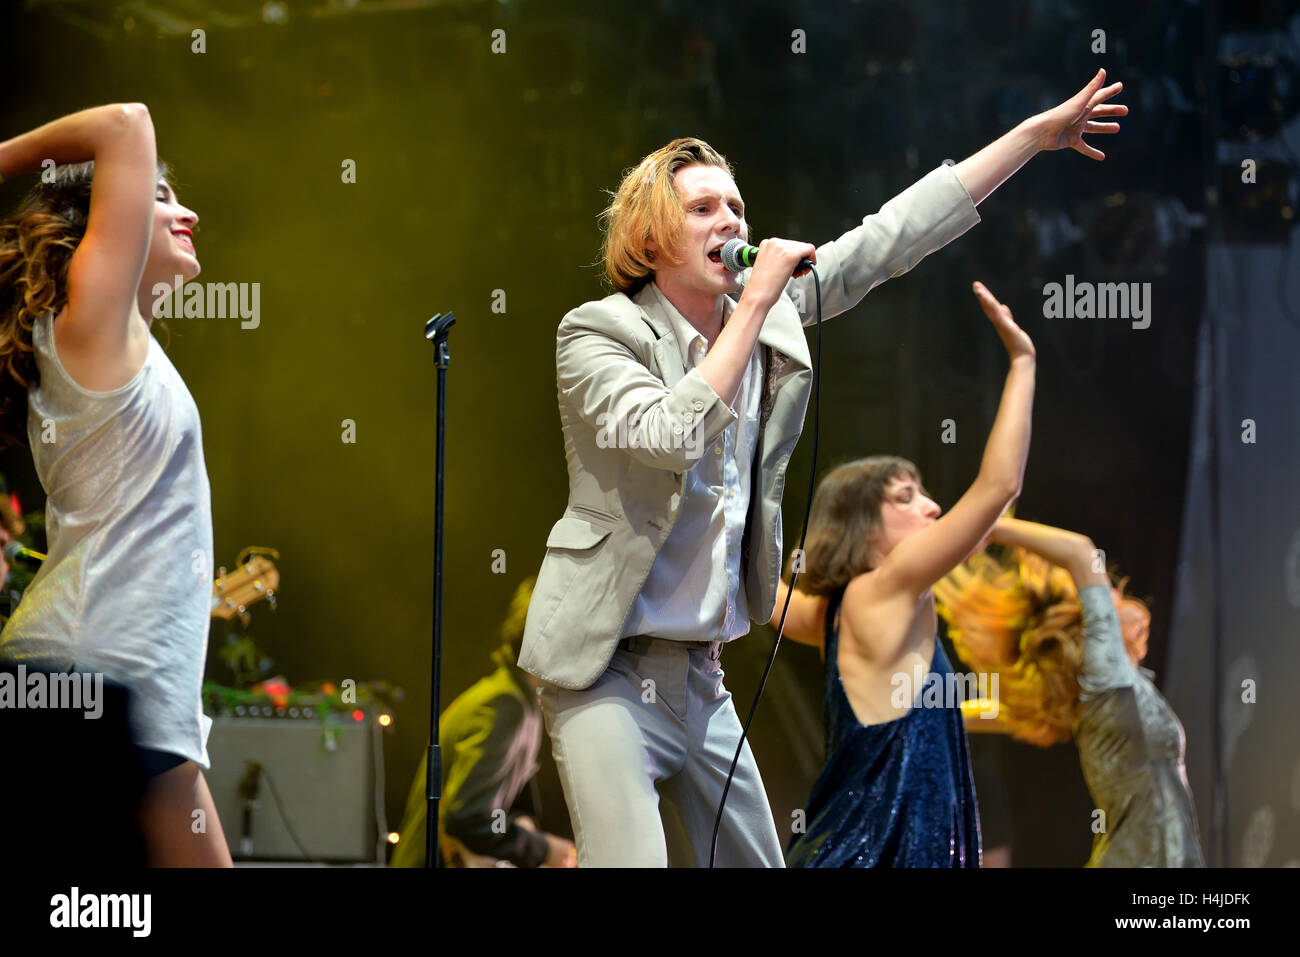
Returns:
point(926, 216)
point(1106, 666)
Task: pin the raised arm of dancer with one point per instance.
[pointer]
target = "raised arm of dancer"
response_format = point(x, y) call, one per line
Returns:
point(104, 274)
point(1058, 128)
point(1105, 662)
point(1070, 550)
point(920, 560)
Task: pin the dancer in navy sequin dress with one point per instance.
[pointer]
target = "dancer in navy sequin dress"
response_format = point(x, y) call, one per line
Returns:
point(898, 794)
point(896, 790)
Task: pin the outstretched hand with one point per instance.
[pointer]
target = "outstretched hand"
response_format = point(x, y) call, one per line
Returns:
point(1065, 125)
point(1014, 339)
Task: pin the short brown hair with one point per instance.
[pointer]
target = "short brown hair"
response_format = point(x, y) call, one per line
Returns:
point(845, 521)
point(648, 206)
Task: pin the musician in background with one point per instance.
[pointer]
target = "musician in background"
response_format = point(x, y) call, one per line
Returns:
point(11, 527)
point(489, 736)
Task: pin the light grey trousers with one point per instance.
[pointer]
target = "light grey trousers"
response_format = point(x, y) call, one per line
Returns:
point(643, 755)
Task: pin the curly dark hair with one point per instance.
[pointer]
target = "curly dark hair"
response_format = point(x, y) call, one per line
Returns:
point(36, 246)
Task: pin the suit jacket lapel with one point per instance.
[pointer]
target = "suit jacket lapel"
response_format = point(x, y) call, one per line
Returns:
point(781, 333)
point(668, 354)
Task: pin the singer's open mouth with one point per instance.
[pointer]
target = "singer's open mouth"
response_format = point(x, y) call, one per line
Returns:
point(716, 255)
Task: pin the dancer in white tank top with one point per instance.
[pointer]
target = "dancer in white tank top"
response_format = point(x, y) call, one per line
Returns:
point(116, 439)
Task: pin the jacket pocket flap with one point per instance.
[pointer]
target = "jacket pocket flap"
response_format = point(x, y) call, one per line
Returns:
point(572, 531)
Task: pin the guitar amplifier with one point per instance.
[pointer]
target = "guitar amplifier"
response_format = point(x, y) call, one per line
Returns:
point(299, 788)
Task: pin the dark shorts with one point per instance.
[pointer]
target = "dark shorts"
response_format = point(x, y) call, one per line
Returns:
point(159, 762)
point(71, 766)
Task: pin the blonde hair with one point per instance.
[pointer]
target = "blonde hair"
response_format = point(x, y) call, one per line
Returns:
point(647, 206)
point(1025, 624)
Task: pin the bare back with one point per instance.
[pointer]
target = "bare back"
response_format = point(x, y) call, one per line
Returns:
point(886, 646)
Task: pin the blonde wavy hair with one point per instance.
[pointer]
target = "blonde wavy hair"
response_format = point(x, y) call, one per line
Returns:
point(648, 206)
point(36, 245)
point(1022, 621)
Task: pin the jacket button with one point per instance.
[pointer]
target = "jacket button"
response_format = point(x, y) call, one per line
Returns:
point(688, 417)
point(699, 406)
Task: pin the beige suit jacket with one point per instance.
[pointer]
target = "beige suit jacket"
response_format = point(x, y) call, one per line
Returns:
point(634, 421)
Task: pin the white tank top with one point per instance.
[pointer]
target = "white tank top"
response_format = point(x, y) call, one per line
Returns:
point(127, 587)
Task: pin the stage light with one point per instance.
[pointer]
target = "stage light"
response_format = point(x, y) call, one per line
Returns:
point(275, 12)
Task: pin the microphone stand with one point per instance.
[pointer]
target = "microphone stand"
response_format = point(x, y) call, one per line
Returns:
point(436, 331)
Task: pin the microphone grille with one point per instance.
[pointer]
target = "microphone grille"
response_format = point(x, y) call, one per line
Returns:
point(731, 255)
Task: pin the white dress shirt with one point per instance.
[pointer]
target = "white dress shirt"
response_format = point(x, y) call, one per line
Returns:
point(695, 590)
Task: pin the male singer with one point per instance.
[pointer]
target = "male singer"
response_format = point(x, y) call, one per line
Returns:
point(681, 398)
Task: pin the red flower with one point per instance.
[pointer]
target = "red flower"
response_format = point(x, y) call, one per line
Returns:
point(277, 689)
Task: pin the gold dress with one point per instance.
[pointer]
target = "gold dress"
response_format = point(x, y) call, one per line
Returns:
point(1131, 747)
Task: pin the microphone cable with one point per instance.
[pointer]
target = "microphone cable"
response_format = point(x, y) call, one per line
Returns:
point(812, 480)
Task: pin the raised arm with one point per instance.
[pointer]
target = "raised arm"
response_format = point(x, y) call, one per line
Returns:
point(1072, 551)
point(1058, 128)
point(926, 216)
point(921, 559)
point(105, 271)
point(940, 206)
point(1105, 662)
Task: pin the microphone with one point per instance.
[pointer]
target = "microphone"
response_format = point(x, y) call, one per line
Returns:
point(16, 550)
point(737, 255)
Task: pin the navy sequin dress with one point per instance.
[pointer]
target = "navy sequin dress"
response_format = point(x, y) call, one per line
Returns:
point(897, 794)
